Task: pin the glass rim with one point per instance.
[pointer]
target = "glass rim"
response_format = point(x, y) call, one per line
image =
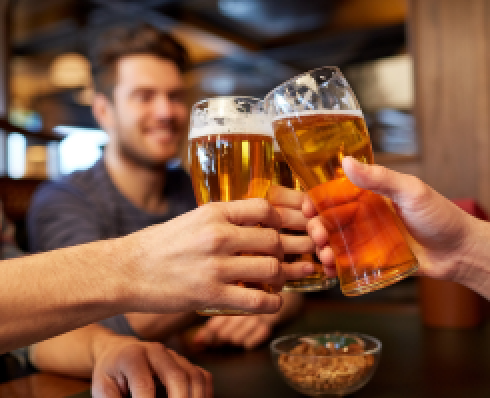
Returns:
point(223, 97)
point(337, 69)
point(374, 350)
point(228, 121)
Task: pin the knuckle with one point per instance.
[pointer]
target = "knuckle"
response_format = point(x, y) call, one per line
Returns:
point(196, 374)
point(276, 240)
point(258, 301)
point(312, 225)
point(274, 268)
point(209, 211)
point(171, 352)
point(215, 238)
point(212, 268)
point(379, 171)
point(144, 385)
point(264, 208)
point(273, 239)
point(178, 376)
point(421, 192)
point(210, 295)
point(156, 347)
point(133, 351)
point(379, 174)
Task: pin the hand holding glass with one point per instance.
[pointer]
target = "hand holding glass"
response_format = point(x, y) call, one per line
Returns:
point(231, 155)
point(283, 176)
point(317, 121)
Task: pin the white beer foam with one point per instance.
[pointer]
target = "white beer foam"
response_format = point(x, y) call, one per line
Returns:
point(346, 112)
point(276, 146)
point(249, 125)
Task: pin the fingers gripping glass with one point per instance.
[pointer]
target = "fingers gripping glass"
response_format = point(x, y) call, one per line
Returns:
point(318, 280)
point(317, 121)
point(231, 156)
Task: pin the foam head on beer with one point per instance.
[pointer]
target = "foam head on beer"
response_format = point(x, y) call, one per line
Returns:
point(317, 121)
point(230, 149)
point(231, 156)
point(229, 115)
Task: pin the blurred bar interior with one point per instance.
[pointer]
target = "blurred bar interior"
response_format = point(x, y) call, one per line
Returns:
point(419, 68)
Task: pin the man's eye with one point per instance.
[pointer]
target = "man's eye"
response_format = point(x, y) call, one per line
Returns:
point(144, 96)
point(177, 97)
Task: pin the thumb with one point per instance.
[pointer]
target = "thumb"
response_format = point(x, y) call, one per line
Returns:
point(377, 179)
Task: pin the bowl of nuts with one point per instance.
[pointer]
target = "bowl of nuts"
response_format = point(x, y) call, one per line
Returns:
point(325, 364)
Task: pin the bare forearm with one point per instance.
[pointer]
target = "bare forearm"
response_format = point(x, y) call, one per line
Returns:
point(70, 353)
point(47, 294)
point(158, 327)
point(473, 267)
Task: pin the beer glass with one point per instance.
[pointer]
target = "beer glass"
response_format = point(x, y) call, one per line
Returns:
point(317, 281)
point(317, 121)
point(231, 156)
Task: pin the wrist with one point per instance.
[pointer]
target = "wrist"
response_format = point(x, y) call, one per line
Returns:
point(126, 257)
point(101, 339)
point(472, 265)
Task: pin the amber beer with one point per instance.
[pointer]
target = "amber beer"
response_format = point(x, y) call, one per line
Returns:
point(227, 167)
point(370, 250)
point(231, 157)
point(230, 166)
point(317, 281)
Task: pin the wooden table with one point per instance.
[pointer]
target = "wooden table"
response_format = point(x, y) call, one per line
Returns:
point(416, 361)
point(43, 385)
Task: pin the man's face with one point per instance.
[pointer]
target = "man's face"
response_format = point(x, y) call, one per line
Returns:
point(150, 114)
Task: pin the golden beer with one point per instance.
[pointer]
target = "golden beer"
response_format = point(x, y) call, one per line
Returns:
point(369, 248)
point(317, 281)
point(231, 157)
point(227, 167)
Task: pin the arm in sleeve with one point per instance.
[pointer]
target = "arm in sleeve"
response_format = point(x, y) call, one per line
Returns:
point(61, 217)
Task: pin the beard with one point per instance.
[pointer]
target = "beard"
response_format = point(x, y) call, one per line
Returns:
point(137, 156)
point(128, 152)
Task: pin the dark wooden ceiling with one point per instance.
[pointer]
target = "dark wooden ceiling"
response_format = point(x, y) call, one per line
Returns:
point(259, 43)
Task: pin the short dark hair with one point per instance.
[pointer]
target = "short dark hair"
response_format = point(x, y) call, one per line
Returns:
point(119, 42)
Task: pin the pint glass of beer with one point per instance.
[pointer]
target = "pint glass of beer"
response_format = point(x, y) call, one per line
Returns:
point(317, 281)
point(317, 121)
point(231, 156)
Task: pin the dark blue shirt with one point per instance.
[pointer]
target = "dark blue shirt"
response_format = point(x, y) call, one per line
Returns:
point(86, 206)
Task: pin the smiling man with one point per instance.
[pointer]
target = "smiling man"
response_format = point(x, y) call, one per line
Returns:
point(140, 102)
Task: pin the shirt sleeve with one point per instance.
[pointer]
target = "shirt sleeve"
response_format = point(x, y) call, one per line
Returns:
point(60, 217)
point(120, 325)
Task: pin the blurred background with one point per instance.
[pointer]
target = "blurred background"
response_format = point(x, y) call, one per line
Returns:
point(420, 69)
point(238, 47)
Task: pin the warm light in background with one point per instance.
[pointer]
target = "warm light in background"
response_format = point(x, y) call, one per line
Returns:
point(386, 83)
point(70, 70)
point(81, 148)
point(16, 148)
point(36, 160)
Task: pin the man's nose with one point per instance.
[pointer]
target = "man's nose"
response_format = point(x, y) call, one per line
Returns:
point(162, 107)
